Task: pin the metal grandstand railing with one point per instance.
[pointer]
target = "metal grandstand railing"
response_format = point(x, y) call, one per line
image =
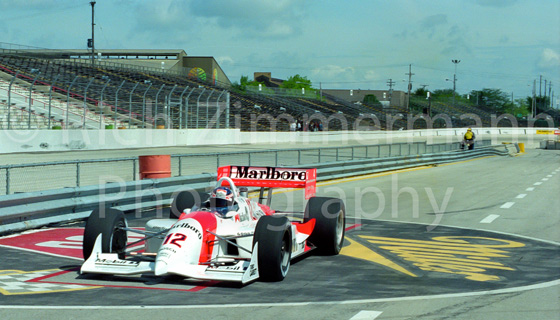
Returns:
point(78, 96)
point(77, 58)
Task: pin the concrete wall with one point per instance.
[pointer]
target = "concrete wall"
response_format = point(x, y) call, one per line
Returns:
point(13, 141)
point(64, 140)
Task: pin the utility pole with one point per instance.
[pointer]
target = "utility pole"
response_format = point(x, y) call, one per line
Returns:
point(390, 83)
point(534, 104)
point(92, 33)
point(550, 92)
point(409, 74)
point(455, 62)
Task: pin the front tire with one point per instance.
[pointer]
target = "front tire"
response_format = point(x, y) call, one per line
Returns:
point(109, 223)
point(330, 219)
point(275, 247)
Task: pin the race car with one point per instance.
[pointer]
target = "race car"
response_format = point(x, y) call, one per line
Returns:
point(227, 237)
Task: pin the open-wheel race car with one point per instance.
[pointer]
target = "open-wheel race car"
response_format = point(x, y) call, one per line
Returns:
point(227, 237)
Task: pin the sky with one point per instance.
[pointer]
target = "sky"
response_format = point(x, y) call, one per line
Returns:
point(351, 44)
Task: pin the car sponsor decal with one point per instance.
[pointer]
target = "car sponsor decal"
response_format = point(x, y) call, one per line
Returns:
point(272, 177)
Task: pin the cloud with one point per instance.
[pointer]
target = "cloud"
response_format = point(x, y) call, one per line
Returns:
point(441, 35)
point(162, 15)
point(255, 18)
point(433, 25)
point(549, 59)
point(433, 21)
point(225, 60)
point(456, 41)
point(333, 72)
point(371, 75)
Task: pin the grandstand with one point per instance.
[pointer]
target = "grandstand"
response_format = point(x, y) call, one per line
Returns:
point(60, 89)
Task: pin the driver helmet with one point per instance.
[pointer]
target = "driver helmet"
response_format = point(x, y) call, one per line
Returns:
point(221, 199)
point(469, 129)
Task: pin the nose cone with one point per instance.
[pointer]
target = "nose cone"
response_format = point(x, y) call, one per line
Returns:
point(160, 268)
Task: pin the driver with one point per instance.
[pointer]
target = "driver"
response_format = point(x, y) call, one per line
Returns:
point(221, 200)
point(468, 139)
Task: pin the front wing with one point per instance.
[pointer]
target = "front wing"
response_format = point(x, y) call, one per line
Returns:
point(109, 263)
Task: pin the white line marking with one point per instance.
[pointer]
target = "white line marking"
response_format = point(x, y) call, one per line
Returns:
point(490, 218)
point(41, 252)
point(293, 304)
point(521, 196)
point(507, 205)
point(537, 183)
point(544, 179)
point(549, 176)
point(366, 315)
point(530, 189)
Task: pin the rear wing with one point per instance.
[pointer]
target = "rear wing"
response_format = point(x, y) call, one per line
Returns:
point(272, 177)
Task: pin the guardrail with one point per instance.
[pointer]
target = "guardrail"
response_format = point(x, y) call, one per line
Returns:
point(33, 210)
point(77, 173)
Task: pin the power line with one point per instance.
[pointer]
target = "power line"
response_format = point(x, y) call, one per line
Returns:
point(43, 12)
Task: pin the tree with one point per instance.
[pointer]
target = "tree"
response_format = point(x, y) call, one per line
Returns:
point(541, 103)
point(442, 93)
point(370, 99)
point(494, 99)
point(421, 92)
point(519, 108)
point(244, 82)
point(296, 82)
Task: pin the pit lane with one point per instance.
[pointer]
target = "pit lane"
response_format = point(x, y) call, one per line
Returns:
point(380, 260)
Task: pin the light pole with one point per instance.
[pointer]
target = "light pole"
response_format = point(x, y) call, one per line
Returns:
point(455, 62)
point(92, 34)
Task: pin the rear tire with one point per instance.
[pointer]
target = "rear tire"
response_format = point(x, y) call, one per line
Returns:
point(330, 219)
point(185, 200)
point(275, 247)
point(108, 223)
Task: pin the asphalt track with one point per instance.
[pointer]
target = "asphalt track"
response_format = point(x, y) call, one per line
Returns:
point(471, 240)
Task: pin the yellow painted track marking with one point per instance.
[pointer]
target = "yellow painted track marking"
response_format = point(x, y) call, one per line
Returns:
point(359, 251)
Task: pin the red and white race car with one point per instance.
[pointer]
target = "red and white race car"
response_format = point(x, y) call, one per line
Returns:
point(228, 237)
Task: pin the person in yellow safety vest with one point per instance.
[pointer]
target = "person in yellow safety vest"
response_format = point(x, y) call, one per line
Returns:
point(468, 139)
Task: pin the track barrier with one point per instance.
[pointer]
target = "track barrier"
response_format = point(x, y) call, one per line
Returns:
point(31, 210)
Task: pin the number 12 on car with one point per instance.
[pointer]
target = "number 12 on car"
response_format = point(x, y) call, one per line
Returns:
point(175, 238)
